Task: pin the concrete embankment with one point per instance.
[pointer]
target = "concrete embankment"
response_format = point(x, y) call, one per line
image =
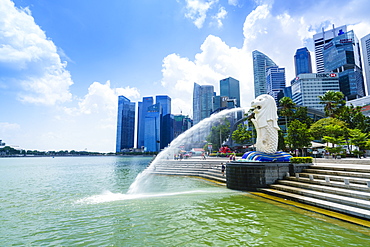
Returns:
point(209, 168)
point(339, 186)
point(342, 186)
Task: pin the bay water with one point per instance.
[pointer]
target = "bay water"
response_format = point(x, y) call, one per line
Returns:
point(83, 201)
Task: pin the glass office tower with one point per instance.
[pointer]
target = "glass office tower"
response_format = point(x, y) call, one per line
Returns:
point(342, 55)
point(260, 63)
point(142, 109)
point(230, 87)
point(302, 61)
point(320, 40)
point(166, 120)
point(152, 128)
point(125, 124)
point(202, 102)
point(165, 102)
point(275, 82)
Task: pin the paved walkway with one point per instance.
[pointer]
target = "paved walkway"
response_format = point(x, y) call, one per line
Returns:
point(363, 163)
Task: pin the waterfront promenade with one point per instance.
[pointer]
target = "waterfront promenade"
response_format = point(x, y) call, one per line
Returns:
point(339, 188)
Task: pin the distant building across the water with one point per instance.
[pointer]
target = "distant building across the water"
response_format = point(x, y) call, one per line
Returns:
point(202, 102)
point(125, 124)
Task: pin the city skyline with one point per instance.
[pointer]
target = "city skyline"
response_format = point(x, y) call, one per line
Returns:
point(65, 63)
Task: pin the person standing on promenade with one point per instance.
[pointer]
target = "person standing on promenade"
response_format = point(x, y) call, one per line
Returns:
point(222, 169)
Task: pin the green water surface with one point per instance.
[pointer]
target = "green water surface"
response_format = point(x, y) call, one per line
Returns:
point(82, 201)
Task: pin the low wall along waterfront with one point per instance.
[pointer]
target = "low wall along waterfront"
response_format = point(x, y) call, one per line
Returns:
point(252, 175)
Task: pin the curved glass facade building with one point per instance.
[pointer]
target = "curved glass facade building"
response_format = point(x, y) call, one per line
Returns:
point(260, 63)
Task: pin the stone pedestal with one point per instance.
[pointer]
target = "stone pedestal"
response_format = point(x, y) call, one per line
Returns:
point(252, 175)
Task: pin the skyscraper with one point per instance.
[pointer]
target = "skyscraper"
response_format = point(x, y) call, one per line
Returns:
point(181, 124)
point(342, 55)
point(365, 44)
point(322, 38)
point(275, 82)
point(302, 61)
point(142, 109)
point(202, 101)
point(260, 63)
point(306, 88)
point(165, 102)
point(152, 126)
point(166, 120)
point(230, 87)
point(125, 124)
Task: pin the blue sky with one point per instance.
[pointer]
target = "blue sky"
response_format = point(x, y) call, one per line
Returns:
point(63, 63)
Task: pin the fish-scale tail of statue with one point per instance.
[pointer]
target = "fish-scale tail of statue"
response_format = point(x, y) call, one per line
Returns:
point(269, 141)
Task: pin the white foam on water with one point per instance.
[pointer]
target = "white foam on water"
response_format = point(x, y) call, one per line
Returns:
point(108, 196)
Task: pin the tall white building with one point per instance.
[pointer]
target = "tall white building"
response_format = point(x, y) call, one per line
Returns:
point(307, 88)
point(322, 38)
point(365, 45)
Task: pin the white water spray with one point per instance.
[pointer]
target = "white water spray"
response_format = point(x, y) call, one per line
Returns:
point(192, 135)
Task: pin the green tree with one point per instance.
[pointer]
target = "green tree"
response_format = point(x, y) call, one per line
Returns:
point(299, 136)
point(355, 119)
point(241, 135)
point(333, 103)
point(359, 139)
point(7, 150)
point(301, 114)
point(219, 134)
point(328, 127)
point(281, 141)
point(287, 107)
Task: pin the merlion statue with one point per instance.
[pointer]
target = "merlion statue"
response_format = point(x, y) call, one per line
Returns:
point(265, 122)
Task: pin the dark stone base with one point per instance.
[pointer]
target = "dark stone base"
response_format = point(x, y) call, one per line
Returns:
point(252, 175)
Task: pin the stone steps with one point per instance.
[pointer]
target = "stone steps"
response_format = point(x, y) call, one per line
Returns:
point(335, 178)
point(327, 195)
point(327, 189)
point(213, 173)
point(339, 173)
point(342, 188)
point(351, 186)
point(338, 207)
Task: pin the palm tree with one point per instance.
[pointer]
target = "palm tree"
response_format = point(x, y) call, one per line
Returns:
point(287, 106)
point(333, 102)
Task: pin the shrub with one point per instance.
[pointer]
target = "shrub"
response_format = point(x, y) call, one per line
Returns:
point(298, 160)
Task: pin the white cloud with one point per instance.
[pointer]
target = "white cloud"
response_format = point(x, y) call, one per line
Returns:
point(92, 124)
point(233, 2)
point(102, 99)
point(220, 16)
point(216, 61)
point(5, 127)
point(197, 10)
point(29, 59)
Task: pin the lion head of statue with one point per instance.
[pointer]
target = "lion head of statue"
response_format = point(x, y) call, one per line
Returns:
point(265, 109)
